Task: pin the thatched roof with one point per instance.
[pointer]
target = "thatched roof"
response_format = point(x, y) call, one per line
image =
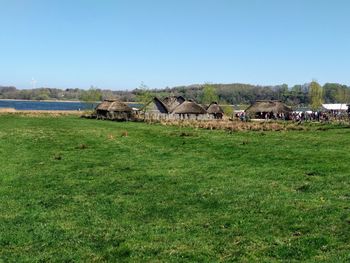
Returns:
point(189, 107)
point(268, 106)
point(173, 101)
point(158, 104)
point(104, 105)
point(113, 105)
point(214, 108)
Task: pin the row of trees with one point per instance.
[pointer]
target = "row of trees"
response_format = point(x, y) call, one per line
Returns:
point(246, 94)
point(308, 94)
point(61, 94)
point(313, 94)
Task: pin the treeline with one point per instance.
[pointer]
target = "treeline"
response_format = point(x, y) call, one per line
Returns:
point(225, 93)
point(59, 94)
point(245, 93)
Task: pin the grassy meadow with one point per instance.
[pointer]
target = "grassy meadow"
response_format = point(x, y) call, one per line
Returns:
point(75, 190)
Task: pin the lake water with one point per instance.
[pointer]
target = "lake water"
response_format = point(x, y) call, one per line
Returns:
point(48, 105)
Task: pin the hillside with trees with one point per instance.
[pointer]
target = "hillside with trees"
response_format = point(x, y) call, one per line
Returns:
point(305, 94)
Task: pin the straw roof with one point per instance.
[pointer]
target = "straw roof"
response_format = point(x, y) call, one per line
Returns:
point(268, 106)
point(104, 105)
point(173, 101)
point(189, 107)
point(158, 104)
point(214, 108)
point(204, 106)
point(113, 105)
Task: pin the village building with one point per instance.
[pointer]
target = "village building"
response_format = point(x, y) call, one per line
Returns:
point(215, 111)
point(268, 109)
point(155, 109)
point(173, 101)
point(113, 110)
point(189, 110)
point(177, 108)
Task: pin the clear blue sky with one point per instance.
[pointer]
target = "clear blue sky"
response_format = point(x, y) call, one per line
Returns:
point(117, 44)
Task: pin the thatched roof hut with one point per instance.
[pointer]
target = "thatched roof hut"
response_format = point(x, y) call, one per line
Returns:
point(268, 106)
point(113, 105)
point(189, 107)
point(104, 105)
point(173, 101)
point(155, 106)
point(215, 110)
point(113, 109)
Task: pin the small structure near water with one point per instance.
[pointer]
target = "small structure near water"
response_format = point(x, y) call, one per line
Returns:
point(113, 110)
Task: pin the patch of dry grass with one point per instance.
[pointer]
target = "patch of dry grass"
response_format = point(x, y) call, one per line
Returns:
point(7, 110)
point(235, 125)
point(39, 113)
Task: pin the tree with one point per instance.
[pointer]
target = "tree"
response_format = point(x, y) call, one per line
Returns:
point(342, 94)
point(209, 94)
point(281, 92)
point(228, 109)
point(316, 95)
point(91, 96)
point(143, 94)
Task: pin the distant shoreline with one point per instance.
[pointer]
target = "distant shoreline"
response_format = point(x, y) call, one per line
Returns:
point(72, 101)
point(14, 111)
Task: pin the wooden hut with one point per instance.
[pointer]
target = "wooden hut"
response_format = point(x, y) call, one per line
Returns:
point(113, 110)
point(173, 101)
point(155, 109)
point(215, 111)
point(191, 111)
point(267, 108)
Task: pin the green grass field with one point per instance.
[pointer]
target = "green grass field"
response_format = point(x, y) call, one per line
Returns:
point(80, 190)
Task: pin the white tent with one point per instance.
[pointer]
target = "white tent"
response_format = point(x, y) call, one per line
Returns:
point(335, 107)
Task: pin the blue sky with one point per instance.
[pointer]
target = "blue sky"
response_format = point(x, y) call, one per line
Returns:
point(117, 44)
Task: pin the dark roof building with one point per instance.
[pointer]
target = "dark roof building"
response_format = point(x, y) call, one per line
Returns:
point(268, 106)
